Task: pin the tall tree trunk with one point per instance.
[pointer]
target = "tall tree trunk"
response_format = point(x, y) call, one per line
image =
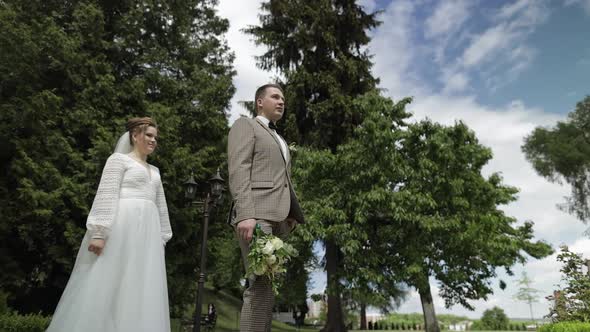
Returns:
point(428, 308)
point(363, 316)
point(335, 322)
point(531, 309)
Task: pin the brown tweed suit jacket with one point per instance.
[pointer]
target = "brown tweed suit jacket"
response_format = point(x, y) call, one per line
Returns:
point(259, 176)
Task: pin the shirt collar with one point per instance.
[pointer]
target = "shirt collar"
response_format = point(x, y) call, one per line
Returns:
point(263, 119)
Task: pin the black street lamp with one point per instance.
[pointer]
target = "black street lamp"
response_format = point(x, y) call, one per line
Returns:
point(212, 198)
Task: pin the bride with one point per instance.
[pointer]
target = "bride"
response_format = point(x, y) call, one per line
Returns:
point(118, 283)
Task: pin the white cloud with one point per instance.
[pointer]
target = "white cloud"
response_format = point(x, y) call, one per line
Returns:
point(455, 82)
point(585, 4)
point(447, 17)
point(581, 246)
point(368, 5)
point(392, 49)
point(242, 14)
point(444, 25)
point(499, 54)
point(512, 9)
point(486, 45)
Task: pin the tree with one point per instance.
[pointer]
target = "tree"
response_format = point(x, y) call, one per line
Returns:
point(72, 73)
point(526, 293)
point(562, 153)
point(351, 190)
point(572, 302)
point(319, 47)
point(445, 220)
point(494, 319)
point(293, 291)
point(384, 297)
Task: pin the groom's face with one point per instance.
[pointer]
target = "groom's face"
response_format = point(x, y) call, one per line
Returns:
point(271, 104)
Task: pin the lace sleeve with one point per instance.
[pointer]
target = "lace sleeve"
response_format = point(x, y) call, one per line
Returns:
point(104, 208)
point(163, 210)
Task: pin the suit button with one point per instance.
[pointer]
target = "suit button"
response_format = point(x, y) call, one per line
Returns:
point(286, 185)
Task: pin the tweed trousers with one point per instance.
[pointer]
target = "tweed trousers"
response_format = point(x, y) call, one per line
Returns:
point(258, 299)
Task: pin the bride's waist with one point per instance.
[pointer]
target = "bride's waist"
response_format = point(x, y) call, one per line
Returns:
point(129, 193)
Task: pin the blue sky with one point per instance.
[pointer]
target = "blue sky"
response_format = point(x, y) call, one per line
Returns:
point(503, 68)
point(559, 75)
point(547, 65)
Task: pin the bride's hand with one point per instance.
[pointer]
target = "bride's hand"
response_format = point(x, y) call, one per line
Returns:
point(96, 246)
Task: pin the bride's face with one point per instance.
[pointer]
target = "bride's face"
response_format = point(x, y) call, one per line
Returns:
point(146, 142)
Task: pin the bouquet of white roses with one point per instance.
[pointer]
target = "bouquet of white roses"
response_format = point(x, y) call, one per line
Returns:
point(268, 256)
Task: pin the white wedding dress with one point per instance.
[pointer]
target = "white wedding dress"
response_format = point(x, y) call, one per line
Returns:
point(124, 289)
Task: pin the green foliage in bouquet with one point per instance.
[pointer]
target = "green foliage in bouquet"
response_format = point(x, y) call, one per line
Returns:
point(268, 257)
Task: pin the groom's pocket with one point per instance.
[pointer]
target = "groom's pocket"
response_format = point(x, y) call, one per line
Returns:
point(261, 184)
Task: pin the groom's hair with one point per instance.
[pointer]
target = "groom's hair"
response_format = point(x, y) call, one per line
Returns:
point(260, 92)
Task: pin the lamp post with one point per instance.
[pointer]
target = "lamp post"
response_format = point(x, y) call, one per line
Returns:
point(212, 197)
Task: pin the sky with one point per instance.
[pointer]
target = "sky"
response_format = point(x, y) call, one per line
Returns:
point(503, 68)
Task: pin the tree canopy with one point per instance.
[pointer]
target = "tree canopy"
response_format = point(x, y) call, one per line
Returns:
point(562, 154)
point(73, 72)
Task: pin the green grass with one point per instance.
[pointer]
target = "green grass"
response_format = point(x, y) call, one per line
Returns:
point(228, 309)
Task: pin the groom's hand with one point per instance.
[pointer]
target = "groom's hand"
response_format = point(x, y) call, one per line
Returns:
point(246, 229)
point(292, 223)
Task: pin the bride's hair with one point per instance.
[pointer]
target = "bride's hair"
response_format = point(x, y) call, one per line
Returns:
point(139, 125)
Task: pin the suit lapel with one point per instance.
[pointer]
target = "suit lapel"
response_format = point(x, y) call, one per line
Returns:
point(273, 137)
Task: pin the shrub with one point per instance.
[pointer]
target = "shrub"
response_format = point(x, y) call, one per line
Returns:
point(3, 302)
point(566, 327)
point(12, 322)
point(495, 319)
point(571, 303)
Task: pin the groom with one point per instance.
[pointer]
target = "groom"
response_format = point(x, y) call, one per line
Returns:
point(260, 183)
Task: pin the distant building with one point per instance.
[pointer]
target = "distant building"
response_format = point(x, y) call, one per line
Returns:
point(374, 317)
point(284, 316)
point(460, 326)
point(315, 307)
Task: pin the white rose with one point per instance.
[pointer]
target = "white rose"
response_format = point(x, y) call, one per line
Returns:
point(271, 260)
point(277, 243)
point(268, 248)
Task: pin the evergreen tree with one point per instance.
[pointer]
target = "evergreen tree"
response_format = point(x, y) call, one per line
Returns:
point(73, 72)
point(526, 293)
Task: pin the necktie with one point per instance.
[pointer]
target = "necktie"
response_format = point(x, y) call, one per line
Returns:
point(272, 125)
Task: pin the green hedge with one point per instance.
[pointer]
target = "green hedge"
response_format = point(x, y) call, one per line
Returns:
point(566, 327)
point(11, 322)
